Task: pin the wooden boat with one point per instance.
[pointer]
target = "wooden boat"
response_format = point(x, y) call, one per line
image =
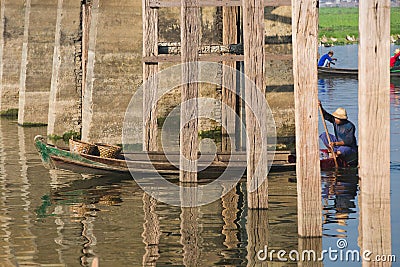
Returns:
point(324, 71)
point(328, 163)
point(147, 163)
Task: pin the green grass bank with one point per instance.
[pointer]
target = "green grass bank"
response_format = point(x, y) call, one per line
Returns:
point(339, 22)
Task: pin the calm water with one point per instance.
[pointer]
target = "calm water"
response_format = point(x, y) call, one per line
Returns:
point(55, 218)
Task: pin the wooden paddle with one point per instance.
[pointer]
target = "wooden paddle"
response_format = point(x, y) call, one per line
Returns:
point(328, 137)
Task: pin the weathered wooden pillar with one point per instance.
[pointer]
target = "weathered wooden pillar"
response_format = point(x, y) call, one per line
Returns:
point(230, 36)
point(374, 127)
point(150, 85)
point(66, 83)
point(253, 40)
point(36, 63)
point(305, 48)
point(190, 42)
point(11, 29)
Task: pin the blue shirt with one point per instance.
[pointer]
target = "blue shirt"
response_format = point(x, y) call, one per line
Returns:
point(344, 132)
point(324, 60)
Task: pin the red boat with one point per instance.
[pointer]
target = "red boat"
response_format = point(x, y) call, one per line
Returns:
point(328, 163)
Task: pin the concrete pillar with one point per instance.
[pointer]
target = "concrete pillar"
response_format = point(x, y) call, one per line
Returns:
point(11, 33)
point(113, 68)
point(36, 64)
point(65, 91)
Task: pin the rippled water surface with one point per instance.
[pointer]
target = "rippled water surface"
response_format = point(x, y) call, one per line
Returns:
point(56, 218)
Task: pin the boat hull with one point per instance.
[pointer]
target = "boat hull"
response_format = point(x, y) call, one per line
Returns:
point(326, 72)
point(149, 163)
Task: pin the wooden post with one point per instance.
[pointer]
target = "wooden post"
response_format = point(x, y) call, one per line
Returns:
point(253, 36)
point(150, 85)
point(305, 48)
point(230, 36)
point(374, 127)
point(190, 42)
point(374, 97)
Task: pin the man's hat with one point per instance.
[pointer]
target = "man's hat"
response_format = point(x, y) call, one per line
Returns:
point(340, 113)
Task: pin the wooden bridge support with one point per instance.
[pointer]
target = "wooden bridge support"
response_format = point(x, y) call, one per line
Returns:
point(305, 48)
point(150, 48)
point(254, 61)
point(66, 90)
point(190, 41)
point(230, 36)
point(374, 127)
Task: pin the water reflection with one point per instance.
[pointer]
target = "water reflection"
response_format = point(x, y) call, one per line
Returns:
point(339, 193)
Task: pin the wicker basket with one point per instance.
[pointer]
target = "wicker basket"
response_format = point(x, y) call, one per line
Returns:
point(108, 151)
point(81, 147)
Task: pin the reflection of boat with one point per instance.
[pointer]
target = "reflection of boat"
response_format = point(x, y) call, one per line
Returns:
point(324, 71)
point(142, 162)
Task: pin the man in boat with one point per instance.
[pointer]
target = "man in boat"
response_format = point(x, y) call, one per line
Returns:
point(343, 142)
point(326, 60)
point(395, 60)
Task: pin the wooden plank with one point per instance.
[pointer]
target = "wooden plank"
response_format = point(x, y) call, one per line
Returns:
point(150, 85)
point(305, 47)
point(211, 58)
point(230, 16)
point(190, 42)
point(223, 3)
point(254, 64)
point(374, 127)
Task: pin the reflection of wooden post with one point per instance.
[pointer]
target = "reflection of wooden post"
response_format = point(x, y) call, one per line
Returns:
point(258, 234)
point(253, 36)
point(190, 42)
point(190, 236)
point(313, 245)
point(229, 214)
point(374, 226)
point(151, 231)
point(150, 85)
point(305, 48)
point(230, 36)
